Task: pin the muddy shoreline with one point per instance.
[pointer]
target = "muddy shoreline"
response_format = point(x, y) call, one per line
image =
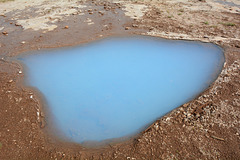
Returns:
point(208, 127)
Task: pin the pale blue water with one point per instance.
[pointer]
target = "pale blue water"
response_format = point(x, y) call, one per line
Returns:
point(118, 86)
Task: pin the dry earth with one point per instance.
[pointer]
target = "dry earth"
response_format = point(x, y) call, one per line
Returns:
point(208, 127)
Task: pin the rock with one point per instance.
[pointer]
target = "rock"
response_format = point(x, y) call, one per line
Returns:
point(16, 24)
point(20, 72)
point(10, 81)
point(197, 115)
point(151, 28)
point(5, 33)
point(42, 124)
point(127, 28)
point(66, 27)
point(100, 12)
point(134, 25)
point(237, 45)
point(23, 42)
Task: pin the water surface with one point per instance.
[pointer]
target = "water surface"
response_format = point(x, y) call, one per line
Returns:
point(116, 87)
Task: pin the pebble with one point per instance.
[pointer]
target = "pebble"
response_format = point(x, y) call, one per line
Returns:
point(5, 33)
point(66, 27)
point(16, 24)
point(135, 25)
point(151, 28)
point(198, 115)
point(127, 28)
point(100, 12)
point(168, 118)
point(20, 72)
point(23, 42)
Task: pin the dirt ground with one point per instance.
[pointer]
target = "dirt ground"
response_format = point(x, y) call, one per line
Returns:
point(208, 127)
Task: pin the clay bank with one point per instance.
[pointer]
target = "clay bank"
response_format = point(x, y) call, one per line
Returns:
point(203, 122)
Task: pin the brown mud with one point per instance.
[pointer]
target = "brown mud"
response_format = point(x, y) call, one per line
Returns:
point(208, 127)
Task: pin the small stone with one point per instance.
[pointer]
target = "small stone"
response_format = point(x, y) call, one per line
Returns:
point(134, 25)
point(225, 64)
point(66, 27)
point(42, 124)
point(189, 115)
point(168, 118)
point(23, 42)
point(5, 33)
point(20, 72)
point(10, 81)
point(198, 115)
point(16, 24)
point(31, 96)
point(127, 28)
point(100, 12)
point(152, 28)
point(90, 12)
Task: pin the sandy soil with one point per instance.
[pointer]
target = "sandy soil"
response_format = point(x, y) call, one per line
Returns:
point(205, 128)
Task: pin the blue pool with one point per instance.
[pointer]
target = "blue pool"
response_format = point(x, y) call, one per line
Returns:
point(118, 86)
